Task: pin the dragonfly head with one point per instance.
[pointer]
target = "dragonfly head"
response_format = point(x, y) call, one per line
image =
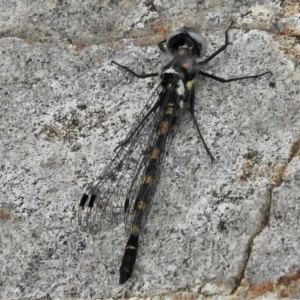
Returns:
point(186, 41)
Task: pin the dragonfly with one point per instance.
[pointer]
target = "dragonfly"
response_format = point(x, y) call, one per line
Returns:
point(126, 187)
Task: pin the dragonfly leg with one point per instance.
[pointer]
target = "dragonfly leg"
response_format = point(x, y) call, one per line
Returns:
point(135, 74)
point(231, 79)
point(192, 112)
point(162, 47)
point(220, 49)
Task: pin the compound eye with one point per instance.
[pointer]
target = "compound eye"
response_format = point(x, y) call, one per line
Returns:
point(189, 36)
point(199, 39)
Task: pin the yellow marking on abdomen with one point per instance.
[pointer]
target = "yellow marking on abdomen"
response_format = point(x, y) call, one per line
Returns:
point(141, 205)
point(155, 153)
point(148, 179)
point(190, 84)
point(131, 247)
point(169, 111)
point(135, 230)
point(164, 127)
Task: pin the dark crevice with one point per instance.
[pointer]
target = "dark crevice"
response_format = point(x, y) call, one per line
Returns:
point(295, 150)
point(265, 222)
point(265, 215)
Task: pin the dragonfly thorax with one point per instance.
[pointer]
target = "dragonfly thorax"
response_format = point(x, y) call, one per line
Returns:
point(180, 67)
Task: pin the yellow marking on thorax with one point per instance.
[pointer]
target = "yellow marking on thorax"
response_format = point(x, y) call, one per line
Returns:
point(141, 205)
point(190, 84)
point(155, 153)
point(148, 179)
point(164, 127)
point(135, 230)
point(186, 65)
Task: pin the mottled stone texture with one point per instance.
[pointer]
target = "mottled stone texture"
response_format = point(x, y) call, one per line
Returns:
point(228, 230)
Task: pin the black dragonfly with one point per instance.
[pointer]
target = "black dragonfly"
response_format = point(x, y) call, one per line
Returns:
point(127, 185)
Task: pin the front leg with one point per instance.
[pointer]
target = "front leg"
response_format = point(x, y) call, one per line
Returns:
point(133, 73)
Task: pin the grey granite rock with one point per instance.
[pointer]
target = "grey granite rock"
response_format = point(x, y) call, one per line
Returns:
point(227, 230)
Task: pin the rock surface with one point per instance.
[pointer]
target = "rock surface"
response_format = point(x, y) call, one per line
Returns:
point(228, 230)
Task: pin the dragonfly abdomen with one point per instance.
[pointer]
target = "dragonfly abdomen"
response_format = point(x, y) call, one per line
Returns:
point(147, 189)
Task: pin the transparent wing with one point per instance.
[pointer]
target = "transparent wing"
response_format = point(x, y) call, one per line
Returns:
point(135, 189)
point(102, 205)
point(140, 193)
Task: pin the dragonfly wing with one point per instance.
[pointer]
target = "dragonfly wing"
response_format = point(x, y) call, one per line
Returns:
point(139, 192)
point(102, 206)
